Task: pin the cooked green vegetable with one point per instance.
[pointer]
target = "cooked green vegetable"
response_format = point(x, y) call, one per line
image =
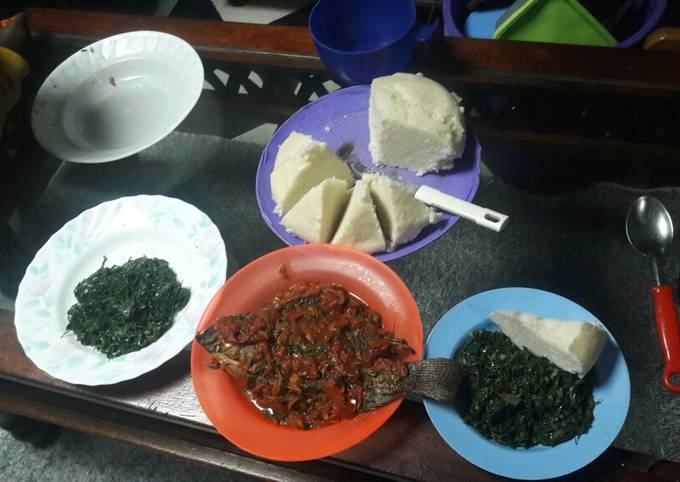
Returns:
point(125, 308)
point(519, 399)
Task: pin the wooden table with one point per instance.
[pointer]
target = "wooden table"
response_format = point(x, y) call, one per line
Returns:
point(159, 410)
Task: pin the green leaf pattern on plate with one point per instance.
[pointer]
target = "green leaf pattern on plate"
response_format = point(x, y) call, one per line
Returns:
point(74, 363)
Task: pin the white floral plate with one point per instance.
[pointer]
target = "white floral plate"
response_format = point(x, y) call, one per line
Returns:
point(129, 227)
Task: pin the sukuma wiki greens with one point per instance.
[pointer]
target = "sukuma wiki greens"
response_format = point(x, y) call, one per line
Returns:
point(121, 309)
point(519, 399)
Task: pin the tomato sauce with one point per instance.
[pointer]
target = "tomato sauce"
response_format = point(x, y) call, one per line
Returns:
point(303, 357)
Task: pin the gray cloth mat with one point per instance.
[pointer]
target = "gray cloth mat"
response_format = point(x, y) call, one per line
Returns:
point(571, 243)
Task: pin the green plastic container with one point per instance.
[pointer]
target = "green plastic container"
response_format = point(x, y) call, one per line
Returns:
point(557, 21)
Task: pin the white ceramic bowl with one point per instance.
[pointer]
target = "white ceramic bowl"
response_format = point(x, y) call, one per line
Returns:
point(117, 96)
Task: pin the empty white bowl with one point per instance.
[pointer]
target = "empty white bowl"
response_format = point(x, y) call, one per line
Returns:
point(117, 96)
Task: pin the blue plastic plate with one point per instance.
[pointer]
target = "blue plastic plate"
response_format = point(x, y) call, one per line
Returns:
point(611, 390)
point(482, 23)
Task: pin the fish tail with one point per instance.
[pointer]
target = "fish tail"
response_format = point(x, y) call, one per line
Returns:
point(436, 378)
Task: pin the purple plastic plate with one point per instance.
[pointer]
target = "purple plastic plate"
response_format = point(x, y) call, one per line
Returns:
point(342, 117)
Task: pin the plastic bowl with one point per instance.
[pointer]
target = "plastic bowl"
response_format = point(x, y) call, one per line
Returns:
point(629, 32)
point(232, 414)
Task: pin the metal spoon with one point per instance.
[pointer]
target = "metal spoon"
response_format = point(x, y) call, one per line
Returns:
point(649, 229)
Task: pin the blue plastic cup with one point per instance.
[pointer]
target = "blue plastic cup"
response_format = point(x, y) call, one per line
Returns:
point(359, 40)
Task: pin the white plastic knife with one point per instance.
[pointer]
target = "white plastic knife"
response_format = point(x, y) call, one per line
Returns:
point(483, 216)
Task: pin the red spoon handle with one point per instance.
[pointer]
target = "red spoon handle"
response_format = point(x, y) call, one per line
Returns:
point(669, 334)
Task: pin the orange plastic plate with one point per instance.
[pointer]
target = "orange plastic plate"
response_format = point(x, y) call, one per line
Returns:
point(232, 414)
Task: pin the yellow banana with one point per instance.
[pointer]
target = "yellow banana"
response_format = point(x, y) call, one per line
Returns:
point(13, 64)
point(13, 68)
